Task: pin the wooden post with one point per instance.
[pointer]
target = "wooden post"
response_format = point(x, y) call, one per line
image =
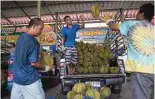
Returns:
point(39, 8)
point(38, 14)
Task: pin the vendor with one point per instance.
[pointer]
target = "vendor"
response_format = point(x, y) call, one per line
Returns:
point(68, 42)
point(140, 56)
point(27, 84)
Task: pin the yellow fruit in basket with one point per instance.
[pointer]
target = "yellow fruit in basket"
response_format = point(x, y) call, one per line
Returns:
point(114, 70)
point(80, 69)
point(90, 93)
point(89, 86)
point(79, 88)
point(105, 18)
point(90, 69)
point(46, 59)
point(78, 96)
point(97, 94)
point(93, 93)
point(70, 95)
point(104, 69)
point(95, 11)
point(105, 92)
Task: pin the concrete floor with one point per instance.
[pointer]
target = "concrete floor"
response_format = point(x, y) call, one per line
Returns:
point(125, 94)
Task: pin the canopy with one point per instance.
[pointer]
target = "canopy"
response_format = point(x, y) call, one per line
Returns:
point(20, 12)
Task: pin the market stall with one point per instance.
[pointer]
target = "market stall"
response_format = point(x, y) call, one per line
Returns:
point(17, 15)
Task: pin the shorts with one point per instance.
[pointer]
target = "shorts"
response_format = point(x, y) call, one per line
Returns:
point(32, 91)
point(71, 55)
point(142, 85)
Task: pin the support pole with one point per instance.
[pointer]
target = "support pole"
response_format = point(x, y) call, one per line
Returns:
point(22, 9)
point(56, 29)
point(38, 14)
point(39, 8)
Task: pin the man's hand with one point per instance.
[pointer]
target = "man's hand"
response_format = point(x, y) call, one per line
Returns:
point(62, 41)
point(105, 18)
point(47, 68)
point(38, 65)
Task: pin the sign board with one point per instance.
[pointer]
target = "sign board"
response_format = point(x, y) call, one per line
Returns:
point(12, 37)
point(92, 34)
point(7, 31)
point(47, 37)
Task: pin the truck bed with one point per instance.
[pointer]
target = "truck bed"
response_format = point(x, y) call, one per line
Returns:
point(98, 79)
point(93, 76)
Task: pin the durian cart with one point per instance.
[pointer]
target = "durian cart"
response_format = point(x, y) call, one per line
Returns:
point(98, 60)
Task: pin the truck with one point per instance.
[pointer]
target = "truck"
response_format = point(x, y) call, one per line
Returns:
point(118, 47)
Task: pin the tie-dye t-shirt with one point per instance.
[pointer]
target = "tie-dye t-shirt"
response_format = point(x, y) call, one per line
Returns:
point(141, 44)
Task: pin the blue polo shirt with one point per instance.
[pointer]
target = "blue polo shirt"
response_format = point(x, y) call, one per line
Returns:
point(27, 51)
point(69, 34)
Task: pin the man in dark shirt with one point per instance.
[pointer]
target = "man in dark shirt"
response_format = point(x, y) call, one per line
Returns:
point(27, 84)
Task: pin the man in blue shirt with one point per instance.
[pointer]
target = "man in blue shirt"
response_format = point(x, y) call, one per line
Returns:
point(68, 41)
point(27, 84)
point(140, 57)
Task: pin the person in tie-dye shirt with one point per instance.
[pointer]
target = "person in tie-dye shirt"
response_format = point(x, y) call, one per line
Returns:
point(141, 46)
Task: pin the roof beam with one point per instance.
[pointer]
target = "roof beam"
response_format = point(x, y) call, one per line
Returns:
point(64, 3)
point(89, 21)
point(22, 9)
point(76, 13)
point(87, 11)
point(84, 11)
point(7, 19)
point(49, 10)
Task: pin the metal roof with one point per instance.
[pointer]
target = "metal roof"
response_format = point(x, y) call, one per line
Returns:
point(20, 12)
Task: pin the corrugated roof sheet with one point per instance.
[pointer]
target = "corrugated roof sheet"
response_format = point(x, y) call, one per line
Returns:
point(12, 12)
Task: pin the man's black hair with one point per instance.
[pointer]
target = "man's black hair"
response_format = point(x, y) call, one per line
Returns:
point(35, 22)
point(66, 17)
point(148, 10)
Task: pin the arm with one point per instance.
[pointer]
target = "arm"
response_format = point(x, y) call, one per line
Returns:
point(63, 37)
point(62, 41)
point(38, 65)
point(112, 24)
point(123, 28)
point(34, 57)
